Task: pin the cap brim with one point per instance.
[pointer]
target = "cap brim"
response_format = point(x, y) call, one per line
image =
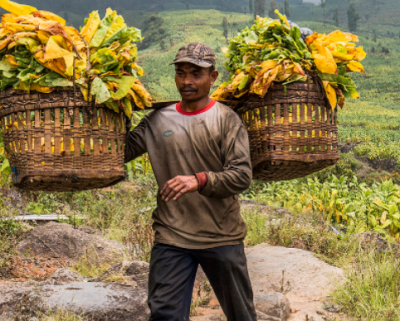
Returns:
point(196, 62)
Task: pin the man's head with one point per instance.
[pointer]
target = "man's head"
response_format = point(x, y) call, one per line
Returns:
point(195, 71)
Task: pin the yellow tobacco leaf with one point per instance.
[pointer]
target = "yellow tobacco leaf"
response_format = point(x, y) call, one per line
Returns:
point(324, 61)
point(139, 70)
point(134, 97)
point(358, 53)
point(351, 37)
point(312, 38)
point(220, 94)
point(18, 9)
point(41, 89)
point(331, 93)
point(4, 43)
point(143, 94)
point(355, 66)
point(43, 36)
point(269, 64)
point(12, 61)
point(17, 27)
point(56, 48)
point(48, 16)
point(91, 26)
point(9, 17)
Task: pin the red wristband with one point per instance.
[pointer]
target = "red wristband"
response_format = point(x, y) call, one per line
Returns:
point(202, 179)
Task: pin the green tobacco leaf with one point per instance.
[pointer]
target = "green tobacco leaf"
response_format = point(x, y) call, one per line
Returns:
point(125, 84)
point(244, 82)
point(5, 167)
point(100, 91)
point(5, 66)
point(53, 79)
point(252, 37)
point(101, 32)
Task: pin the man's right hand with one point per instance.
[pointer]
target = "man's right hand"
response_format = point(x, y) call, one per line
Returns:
point(179, 186)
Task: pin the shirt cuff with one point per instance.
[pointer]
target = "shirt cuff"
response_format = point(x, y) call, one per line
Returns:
point(202, 179)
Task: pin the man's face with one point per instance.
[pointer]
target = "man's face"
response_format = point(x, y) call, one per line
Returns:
point(193, 82)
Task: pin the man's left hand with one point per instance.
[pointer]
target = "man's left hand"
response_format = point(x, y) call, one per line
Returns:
point(179, 186)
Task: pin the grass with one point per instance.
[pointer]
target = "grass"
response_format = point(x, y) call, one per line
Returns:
point(372, 290)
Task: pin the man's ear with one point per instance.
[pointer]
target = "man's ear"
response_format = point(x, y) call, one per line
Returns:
point(214, 75)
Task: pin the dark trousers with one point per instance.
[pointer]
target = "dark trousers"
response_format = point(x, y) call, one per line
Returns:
point(173, 272)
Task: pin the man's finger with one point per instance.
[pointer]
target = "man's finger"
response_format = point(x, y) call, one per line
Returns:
point(171, 182)
point(181, 193)
point(174, 191)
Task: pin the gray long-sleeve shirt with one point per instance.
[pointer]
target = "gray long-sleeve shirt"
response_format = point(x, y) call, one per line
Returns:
point(212, 140)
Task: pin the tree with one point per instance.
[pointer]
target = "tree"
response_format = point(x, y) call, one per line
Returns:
point(162, 44)
point(187, 6)
point(259, 8)
point(251, 6)
point(287, 8)
point(323, 5)
point(245, 10)
point(353, 17)
point(225, 25)
point(374, 39)
point(272, 9)
point(336, 17)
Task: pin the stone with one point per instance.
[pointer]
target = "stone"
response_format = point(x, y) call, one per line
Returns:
point(274, 305)
point(131, 272)
point(58, 240)
point(98, 301)
point(66, 276)
point(304, 279)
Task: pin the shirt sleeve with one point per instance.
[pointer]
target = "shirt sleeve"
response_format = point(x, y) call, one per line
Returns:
point(135, 144)
point(237, 174)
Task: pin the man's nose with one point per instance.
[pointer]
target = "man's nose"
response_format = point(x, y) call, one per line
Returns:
point(188, 80)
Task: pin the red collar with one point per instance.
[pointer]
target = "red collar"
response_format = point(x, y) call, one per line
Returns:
point(197, 112)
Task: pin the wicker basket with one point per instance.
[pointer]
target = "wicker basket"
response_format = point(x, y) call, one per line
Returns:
point(56, 142)
point(299, 139)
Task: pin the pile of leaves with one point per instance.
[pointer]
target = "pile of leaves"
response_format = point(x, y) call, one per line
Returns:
point(39, 52)
point(274, 51)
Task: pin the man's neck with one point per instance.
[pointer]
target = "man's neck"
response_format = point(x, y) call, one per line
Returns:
point(195, 105)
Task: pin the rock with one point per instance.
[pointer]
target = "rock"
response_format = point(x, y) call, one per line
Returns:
point(274, 305)
point(304, 279)
point(63, 241)
point(388, 164)
point(134, 273)
point(66, 276)
point(98, 301)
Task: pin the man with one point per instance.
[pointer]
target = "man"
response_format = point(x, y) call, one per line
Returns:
point(200, 155)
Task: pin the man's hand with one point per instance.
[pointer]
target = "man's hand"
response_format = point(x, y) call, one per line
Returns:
point(178, 186)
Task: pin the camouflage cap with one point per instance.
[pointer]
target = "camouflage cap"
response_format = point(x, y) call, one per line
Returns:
point(198, 54)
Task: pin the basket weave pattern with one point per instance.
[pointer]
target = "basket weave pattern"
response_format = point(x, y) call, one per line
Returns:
point(56, 142)
point(292, 132)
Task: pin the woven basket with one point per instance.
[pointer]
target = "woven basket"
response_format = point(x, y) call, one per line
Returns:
point(56, 142)
point(292, 131)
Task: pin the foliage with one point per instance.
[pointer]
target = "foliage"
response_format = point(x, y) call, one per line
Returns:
point(341, 201)
point(39, 52)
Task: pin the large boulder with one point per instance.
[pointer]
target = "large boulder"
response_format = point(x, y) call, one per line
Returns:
point(64, 241)
point(97, 300)
point(305, 280)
